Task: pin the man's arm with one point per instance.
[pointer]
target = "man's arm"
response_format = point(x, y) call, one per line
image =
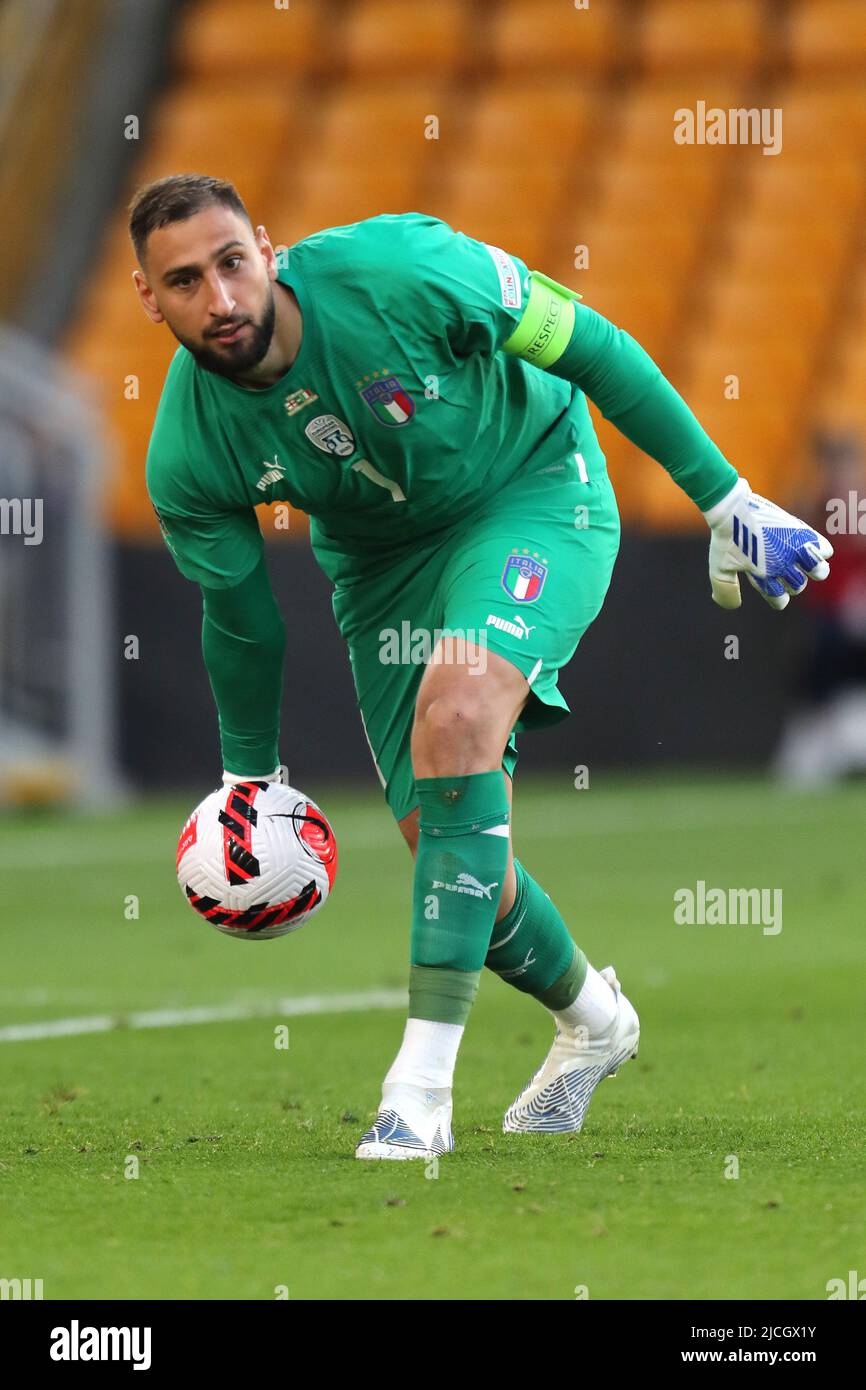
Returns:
point(243, 640)
point(631, 391)
point(572, 341)
point(750, 535)
point(242, 634)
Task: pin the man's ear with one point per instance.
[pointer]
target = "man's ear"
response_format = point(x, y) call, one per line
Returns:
point(147, 297)
point(263, 242)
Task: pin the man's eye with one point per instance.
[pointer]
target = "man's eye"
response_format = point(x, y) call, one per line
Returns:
point(237, 260)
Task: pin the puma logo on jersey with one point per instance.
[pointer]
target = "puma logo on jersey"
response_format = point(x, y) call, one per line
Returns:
point(273, 475)
point(467, 884)
point(516, 629)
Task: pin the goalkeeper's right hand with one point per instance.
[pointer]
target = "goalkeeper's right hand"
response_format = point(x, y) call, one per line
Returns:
point(231, 779)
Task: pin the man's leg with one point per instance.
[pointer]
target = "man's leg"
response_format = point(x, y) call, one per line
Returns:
point(531, 947)
point(568, 533)
point(463, 717)
point(409, 830)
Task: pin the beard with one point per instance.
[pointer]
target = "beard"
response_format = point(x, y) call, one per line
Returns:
point(232, 359)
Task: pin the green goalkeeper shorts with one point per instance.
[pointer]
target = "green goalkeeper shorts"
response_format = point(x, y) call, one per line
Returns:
point(523, 577)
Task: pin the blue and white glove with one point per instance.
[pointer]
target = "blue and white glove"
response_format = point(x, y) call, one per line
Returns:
point(776, 552)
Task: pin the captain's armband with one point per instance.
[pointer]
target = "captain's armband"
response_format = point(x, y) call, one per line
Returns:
point(545, 329)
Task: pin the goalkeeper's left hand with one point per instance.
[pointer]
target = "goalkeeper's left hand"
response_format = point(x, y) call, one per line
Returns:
point(776, 552)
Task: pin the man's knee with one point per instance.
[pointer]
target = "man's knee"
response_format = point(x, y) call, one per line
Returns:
point(463, 719)
point(458, 714)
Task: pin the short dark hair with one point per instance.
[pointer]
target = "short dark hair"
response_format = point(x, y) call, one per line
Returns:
point(174, 199)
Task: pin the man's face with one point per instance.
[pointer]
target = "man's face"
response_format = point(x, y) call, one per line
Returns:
point(210, 279)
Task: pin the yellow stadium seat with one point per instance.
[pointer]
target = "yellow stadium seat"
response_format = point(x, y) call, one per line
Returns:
point(232, 132)
point(221, 39)
point(800, 308)
point(648, 119)
point(662, 505)
point(718, 260)
point(844, 408)
point(660, 249)
point(755, 442)
point(827, 36)
point(788, 250)
point(373, 120)
point(553, 36)
point(646, 309)
point(514, 213)
point(702, 35)
point(822, 120)
point(625, 465)
point(390, 39)
point(370, 155)
point(545, 120)
point(804, 190)
point(742, 430)
point(763, 368)
point(331, 196)
point(844, 391)
point(632, 190)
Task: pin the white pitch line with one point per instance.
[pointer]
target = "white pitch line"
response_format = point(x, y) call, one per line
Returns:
point(219, 1013)
point(605, 821)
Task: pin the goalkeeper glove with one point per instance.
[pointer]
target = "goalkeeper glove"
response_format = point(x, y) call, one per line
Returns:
point(231, 779)
point(776, 552)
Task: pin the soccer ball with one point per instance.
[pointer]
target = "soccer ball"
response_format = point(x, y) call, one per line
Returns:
point(256, 860)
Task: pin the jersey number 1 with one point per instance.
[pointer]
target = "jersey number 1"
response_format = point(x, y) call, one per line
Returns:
point(363, 466)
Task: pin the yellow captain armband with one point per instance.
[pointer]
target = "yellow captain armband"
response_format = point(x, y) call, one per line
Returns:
point(545, 330)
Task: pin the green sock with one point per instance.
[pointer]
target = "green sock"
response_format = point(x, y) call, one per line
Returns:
point(459, 872)
point(531, 948)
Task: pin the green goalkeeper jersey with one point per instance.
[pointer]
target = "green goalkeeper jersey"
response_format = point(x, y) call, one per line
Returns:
point(398, 417)
point(434, 371)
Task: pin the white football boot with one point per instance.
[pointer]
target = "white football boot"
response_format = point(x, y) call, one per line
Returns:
point(555, 1101)
point(413, 1122)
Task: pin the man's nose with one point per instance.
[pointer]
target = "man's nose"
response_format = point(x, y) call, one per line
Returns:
point(221, 303)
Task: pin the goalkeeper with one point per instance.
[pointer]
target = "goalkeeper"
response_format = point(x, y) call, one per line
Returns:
point(423, 397)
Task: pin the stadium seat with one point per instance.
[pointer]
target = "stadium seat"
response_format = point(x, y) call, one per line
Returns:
point(331, 195)
point(222, 39)
point(778, 365)
point(647, 310)
point(827, 36)
point(654, 248)
point(625, 465)
point(800, 308)
point(553, 36)
point(661, 504)
point(715, 259)
point(648, 121)
point(546, 120)
point(632, 190)
point(701, 36)
point(821, 121)
point(753, 441)
point(389, 39)
point(766, 244)
point(344, 176)
point(514, 213)
point(842, 398)
point(232, 131)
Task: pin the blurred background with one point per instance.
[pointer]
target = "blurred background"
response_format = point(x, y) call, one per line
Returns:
point(539, 125)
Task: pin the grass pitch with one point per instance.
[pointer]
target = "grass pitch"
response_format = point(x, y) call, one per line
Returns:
point(752, 1061)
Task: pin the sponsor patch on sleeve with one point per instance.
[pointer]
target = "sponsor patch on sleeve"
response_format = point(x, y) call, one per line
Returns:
point(509, 280)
